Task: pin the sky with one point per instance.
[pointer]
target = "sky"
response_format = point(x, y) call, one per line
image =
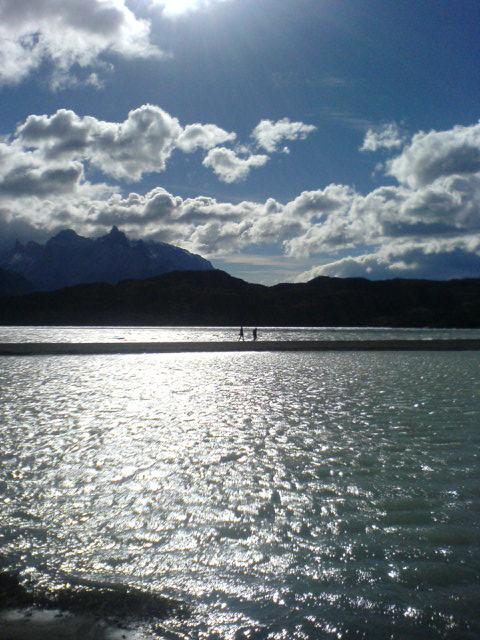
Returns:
point(281, 139)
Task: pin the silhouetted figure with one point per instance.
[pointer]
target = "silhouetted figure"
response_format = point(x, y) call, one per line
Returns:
point(254, 334)
point(240, 335)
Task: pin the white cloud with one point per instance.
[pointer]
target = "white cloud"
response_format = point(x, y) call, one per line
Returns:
point(24, 174)
point(202, 224)
point(203, 136)
point(36, 194)
point(449, 206)
point(269, 135)
point(438, 154)
point(386, 137)
point(65, 79)
point(440, 260)
point(66, 33)
point(142, 143)
point(229, 167)
point(407, 229)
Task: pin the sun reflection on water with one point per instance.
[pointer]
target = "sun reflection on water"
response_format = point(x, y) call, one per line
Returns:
point(278, 491)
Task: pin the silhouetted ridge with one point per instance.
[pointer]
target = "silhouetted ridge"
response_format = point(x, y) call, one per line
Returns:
point(216, 298)
point(114, 237)
point(70, 259)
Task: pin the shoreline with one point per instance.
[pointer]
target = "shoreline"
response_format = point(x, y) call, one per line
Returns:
point(80, 610)
point(106, 348)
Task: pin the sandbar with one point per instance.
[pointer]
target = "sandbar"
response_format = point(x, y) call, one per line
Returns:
point(105, 348)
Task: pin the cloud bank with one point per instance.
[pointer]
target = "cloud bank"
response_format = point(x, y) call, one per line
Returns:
point(427, 224)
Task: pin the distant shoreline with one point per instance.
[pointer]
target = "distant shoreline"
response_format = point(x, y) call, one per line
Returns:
point(106, 348)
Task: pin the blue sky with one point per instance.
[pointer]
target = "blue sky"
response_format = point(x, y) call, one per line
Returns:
point(282, 139)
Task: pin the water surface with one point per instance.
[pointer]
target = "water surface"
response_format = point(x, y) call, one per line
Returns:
point(220, 334)
point(283, 496)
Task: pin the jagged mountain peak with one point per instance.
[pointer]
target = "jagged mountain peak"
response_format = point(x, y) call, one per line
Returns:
point(114, 234)
point(66, 237)
point(68, 259)
point(66, 233)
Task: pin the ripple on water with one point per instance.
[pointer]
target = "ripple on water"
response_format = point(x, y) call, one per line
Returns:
point(282, 495)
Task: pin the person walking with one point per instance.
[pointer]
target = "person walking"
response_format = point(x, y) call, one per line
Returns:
point(240, 335)
point(254, 334)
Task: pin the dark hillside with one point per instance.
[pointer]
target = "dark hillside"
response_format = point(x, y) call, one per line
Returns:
point(12, 284)
point(216, 298)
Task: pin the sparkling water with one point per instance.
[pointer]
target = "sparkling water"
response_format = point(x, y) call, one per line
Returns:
point(282, 496)
point(215, 334)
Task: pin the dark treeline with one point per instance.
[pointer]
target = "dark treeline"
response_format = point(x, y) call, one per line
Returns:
point(216, 298)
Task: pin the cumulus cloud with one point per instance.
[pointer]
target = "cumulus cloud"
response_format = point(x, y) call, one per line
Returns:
point(269, 135)
point(203, 136)
point(386, 137)
point(326, 220)
point(438, 195)
point(37, 195)
point(450, 206)
point(142, 143)
point(24, 174)
point(66, 33)
point(230, 167)
point(202, 224)
point(438, 260)
point(438, 154)
point(415, 228)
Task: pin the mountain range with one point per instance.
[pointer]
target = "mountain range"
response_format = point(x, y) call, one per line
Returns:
point(215, 298)
point(69, 259)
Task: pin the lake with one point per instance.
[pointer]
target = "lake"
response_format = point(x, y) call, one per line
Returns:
point(281, 495)
point(221, 334)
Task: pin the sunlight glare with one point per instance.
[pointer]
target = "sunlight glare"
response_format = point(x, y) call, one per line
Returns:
point(178, 7)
